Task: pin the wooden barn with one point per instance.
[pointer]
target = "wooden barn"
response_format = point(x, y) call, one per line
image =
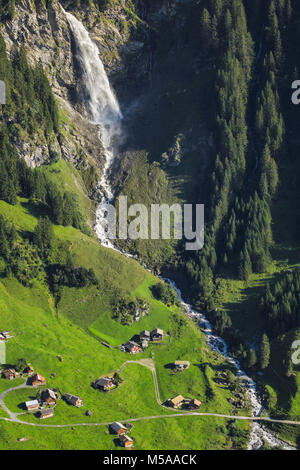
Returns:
point(176, 402)
point(194, 404)
point(73, 400)
point(32, 405)
point(126, 441)
point(49, 397)
point(37, 379)
point(157, 335)
point(46, 413)
point(9, 374)
point(132, 347)
point(117, 428)
point(104, 383)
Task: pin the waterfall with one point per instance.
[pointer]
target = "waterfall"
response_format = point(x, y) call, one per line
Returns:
point(102, 107)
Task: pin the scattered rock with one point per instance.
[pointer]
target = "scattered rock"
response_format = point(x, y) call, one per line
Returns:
point(60, 358)
point(53, 375)
point(89, 413)
point(23, 439)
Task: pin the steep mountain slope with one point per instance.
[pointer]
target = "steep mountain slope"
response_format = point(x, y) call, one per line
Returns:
point(203, 89)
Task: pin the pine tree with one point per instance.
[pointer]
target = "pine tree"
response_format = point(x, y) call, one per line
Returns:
point(214, 32)
point(4, 247)
point(252, 358)
point(264, 352)
point(245, 268)
point(263, 186)
point(228, 23)
point(43, 237)
point(205, 27)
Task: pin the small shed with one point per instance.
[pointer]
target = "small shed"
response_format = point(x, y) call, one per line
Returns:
point(181, 365)
point(144, 343)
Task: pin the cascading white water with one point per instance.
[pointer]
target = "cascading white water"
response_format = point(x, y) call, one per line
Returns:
point(259, 433)
point(103, 109)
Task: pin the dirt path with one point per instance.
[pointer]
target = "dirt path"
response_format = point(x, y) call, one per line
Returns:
point(149, 363)
point(144, 418)
point(13, 416)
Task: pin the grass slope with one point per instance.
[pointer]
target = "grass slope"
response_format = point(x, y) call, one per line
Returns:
point(41, 334)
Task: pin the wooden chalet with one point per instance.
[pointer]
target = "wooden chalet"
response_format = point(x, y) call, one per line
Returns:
point(46, 413)
point(32, 405)
point(37, 379)
point(117, 428)
point(28, 370)
point(194, 404)
point(145, 335)
point(157, 335)
point(49, 397)
point(104, 383)
point(126, 441)
point(73, 400)
point(132, 347)
point(9, 374)
point(176, 402)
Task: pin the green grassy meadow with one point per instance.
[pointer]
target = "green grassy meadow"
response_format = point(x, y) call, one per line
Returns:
point(74, 330)
point(188, 433)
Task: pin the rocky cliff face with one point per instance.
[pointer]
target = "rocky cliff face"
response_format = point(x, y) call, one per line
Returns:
point(125, 43)
point(46, 37)
point(45, 34)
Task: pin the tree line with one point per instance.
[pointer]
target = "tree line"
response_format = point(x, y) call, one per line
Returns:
point(280, 304)
point(40, 256)
point(242, 178)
